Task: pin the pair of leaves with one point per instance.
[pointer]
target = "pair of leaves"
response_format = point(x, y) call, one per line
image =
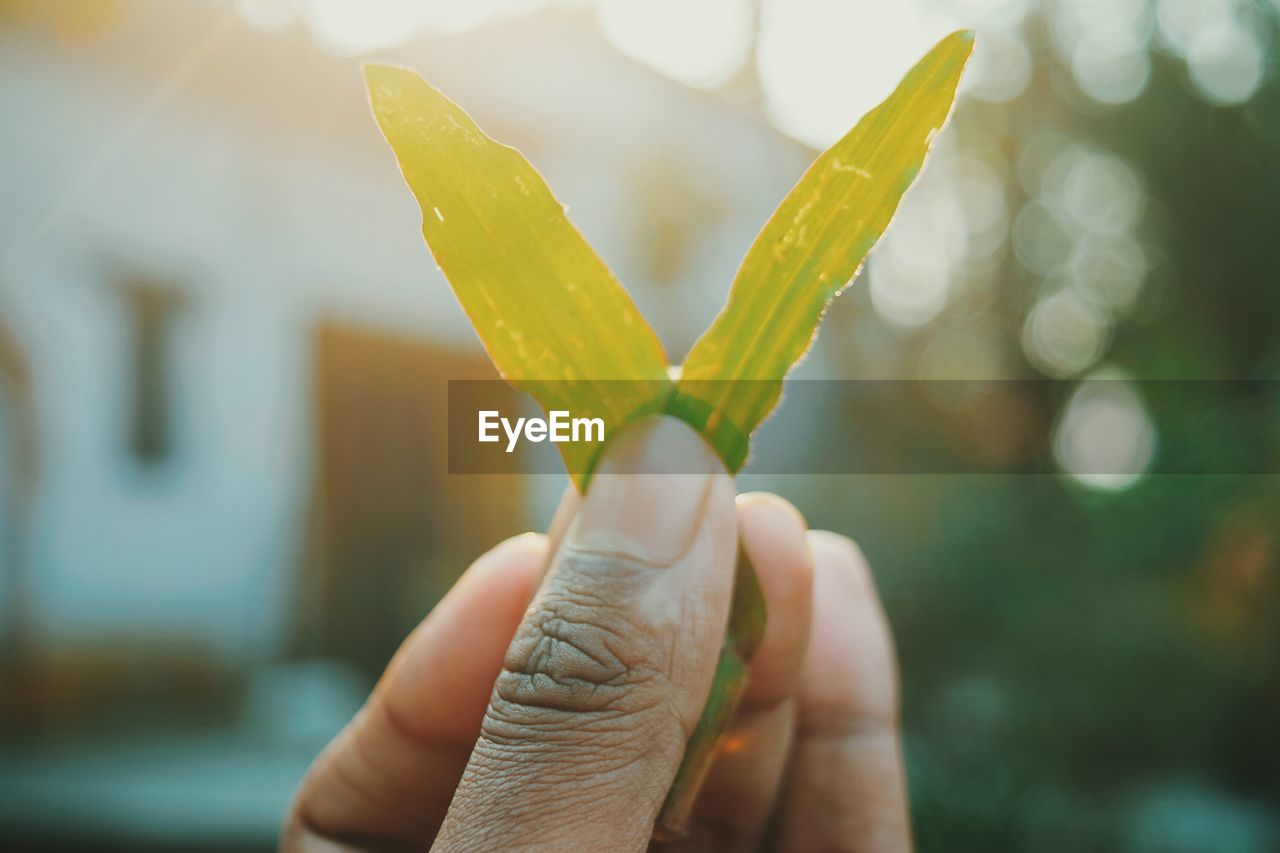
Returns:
point(558, 325)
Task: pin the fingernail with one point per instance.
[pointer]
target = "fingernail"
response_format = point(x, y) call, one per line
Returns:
point(649, 495)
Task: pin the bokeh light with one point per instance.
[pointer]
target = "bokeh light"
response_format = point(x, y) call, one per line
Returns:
point(1104, 42)
point(912, 268)
point(1000, 69)
point(1041, 241)
point(1226, 64)
point(1111, 270)
point(1065, 333)
point(1105, 439)
point(821, 68)
point(702, 44)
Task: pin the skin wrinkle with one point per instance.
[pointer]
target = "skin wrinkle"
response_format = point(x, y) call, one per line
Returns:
point(540, 782)
point(403, 727)
point(583, 669)
point(349, 841)
point(550, 722)
point(438, 751)
point(496, 755)
point(829, 719)
point(560, 664)
point(556, 782)
point(583, 642)
point(603, 580)
point(635, 730)
point(559, 632)
point(535, 833)
point(595, 699)
point(359, 775)
point(518, 720)
point(346, 779)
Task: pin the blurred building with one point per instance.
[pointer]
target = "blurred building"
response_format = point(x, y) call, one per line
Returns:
point(222, 365)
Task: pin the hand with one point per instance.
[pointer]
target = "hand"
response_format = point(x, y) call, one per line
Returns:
point(531, 713)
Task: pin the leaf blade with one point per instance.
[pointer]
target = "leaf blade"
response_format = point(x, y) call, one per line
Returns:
point(808, 252)
point(509, 251)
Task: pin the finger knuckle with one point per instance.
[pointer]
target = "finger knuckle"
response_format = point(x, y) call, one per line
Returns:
point(578, 663)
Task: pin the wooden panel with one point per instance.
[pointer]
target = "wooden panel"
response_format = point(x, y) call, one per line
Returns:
point(391, 528)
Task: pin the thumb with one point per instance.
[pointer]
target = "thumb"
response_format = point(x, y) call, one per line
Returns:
point(609, 670)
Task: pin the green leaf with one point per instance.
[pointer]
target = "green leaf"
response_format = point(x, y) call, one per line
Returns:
point(809, 250)
point(558, 325)
point(552, 317)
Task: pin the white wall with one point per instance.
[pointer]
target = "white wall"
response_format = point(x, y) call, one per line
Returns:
point(104, 180)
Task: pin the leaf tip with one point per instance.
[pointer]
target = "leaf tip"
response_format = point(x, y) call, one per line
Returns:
point(400, 98)
point(968, 39)
point(373, 72)
point(384, 80)
point(377, 84)
point(392, 86)
point(961, 42)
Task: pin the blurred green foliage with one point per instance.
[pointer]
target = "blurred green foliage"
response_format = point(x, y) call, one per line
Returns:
point(1079, 666)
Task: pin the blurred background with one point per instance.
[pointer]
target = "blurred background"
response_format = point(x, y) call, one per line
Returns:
point(224, 348)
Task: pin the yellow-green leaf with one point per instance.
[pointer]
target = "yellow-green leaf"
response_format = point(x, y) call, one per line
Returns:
point(808, 252)
point(552, 317)
point(557, 324)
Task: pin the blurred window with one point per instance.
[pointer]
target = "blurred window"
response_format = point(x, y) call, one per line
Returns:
point(151, 309)
point(17, 477)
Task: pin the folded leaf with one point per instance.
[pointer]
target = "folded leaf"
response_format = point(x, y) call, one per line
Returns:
point(558, 325)
point(808, 252)
point(552, 317)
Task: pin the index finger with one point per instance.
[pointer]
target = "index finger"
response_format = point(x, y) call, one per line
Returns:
point(388, 777)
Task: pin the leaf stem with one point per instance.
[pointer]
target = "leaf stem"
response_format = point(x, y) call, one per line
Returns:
point(741, 638)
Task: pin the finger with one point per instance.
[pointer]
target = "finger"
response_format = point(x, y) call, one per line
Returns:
point(847, 785)
point(773, 534)
point(608, 672)
point(737, 801)
point(389, 775)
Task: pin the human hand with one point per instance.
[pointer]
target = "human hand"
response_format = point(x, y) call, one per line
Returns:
point(532, 713)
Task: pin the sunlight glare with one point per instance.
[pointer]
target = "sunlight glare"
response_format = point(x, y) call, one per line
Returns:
point(350, 28)
point(355, 27)
point(703, 44)
point(268, 16)
point(823, 65)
